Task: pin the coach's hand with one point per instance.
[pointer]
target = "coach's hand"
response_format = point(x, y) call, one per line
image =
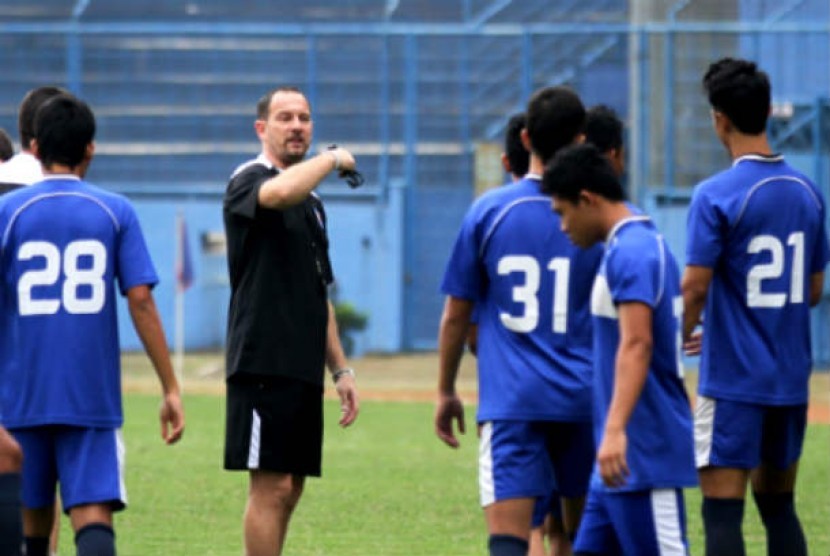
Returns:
point(171, 416)
point(449, 408)
point(611, 457)
point(349, 402)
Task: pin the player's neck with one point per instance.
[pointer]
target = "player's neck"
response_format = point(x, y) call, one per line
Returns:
point(63, 169)
point(742, 145)
point(536, 165)
point(613, 214)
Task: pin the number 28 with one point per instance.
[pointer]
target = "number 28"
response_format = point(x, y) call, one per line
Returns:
point(73, 277)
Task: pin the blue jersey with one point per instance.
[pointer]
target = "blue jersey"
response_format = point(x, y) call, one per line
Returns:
point(638, 267)
point(760, 226)
point(64, 244)
point(531, 287)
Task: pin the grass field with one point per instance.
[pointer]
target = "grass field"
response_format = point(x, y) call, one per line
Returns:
point(389, 486)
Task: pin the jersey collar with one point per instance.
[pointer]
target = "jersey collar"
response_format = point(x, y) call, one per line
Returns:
point(625, 221)
point(775, 157)
point(532, 176)
point(61, 177)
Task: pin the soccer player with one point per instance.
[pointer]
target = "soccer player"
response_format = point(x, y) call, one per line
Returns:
point(642, 417)
point(604, 129)
point(531, 287)
point(756, 251)
point(65, 243)
point(23, 168)
point(282, 330)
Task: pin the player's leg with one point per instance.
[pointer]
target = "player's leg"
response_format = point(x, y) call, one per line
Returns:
point(539, 527)
point(91, 473)
point(513, 471)
point(39, 478)
point(571, 450)
point(727, 446)
point(272, 499)
point(274, 430)
point(11, 519)
point(773, 482)
point(560, 544)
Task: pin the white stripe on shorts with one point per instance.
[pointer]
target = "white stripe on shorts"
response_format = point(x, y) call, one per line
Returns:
point(666, 515)
point(486, 484)
point(704, 426)
point(253, 444)
point(121, 453)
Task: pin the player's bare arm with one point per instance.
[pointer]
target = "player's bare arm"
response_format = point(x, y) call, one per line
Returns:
point(631, 371)
point(694, 287)
point(148, 326)
point(344, 381)
point(455, 322)
point(292, 185)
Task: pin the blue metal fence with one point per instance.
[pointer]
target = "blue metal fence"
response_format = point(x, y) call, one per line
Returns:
point(411, 87)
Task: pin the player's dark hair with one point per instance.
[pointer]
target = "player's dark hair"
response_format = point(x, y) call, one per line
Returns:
point(64, 126)
point(29, 106)
point(6, 147)
point(555, 116)
point(514, 149)
point(741, 91)
point(581, 167)
point(603, 128)
point(264, 103)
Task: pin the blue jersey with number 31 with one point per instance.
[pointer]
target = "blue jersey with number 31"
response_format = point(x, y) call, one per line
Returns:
point(531, 287)
point(760, 226)
point(64, 244)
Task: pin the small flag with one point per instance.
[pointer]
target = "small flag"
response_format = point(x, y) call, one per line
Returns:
point(184, 260)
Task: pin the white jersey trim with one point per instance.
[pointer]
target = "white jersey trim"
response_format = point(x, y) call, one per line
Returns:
point(667, 529)
point(486, 482)
point(254, 443)
point(121, 452)
point(602, 304)
point(765, 181)
point(704, 430)
point(38, 198)
point(261, 159)
point(503, 213)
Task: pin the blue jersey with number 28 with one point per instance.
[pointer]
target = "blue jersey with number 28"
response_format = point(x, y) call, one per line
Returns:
point(760, 227)
point(64, 244)
point(531, 287)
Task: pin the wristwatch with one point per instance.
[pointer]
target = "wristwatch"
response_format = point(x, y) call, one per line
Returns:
point(335, 376)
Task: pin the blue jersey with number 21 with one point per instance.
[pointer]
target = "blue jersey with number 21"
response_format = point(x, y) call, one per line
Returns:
point(64, 244)
point(760, 226)
point(531, 286)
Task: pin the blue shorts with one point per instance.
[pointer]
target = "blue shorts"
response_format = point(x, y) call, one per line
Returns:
point(88, 463)
point(549, 504)
point(742, 435)
point(529, 459)
point(639, 523)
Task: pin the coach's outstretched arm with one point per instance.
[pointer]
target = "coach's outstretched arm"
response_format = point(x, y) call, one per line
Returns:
point(292, 185)
point(148, 325)
point(455, 322)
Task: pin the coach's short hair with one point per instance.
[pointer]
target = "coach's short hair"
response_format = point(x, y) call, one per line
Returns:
point(6, 147)
point(29, 106)
point(555, 116)
point(64, 127)
point(581, 167)
point(741, 91)
point(514, 149)
point(264, 103)
point(603, 128)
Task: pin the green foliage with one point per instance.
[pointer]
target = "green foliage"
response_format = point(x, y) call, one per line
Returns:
point(349, 320)
point(389, 488)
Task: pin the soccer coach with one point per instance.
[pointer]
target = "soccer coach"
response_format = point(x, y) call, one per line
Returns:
point(282, 331)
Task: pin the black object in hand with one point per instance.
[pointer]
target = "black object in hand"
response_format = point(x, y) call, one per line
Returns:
point(353, 177)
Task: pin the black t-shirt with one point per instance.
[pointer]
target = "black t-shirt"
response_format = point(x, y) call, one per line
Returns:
point(279, 271)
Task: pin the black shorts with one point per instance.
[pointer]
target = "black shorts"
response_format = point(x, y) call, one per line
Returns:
point(274, 424)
